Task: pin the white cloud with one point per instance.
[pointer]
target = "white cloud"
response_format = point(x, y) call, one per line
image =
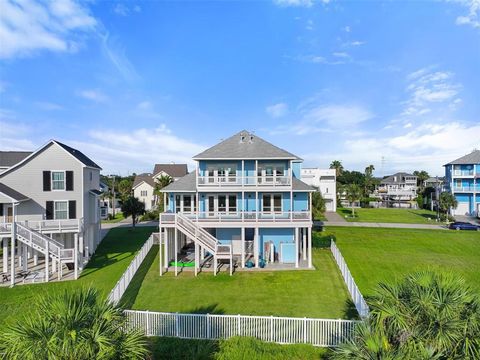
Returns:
point(93, 95)
point(294, 3)
point(427, 88)
point(473, 16)
point(144, 105)
point(123, 10)
point(427, 147)
point(49, 106)
point(277, 110)
point(341, 54)
point(310, 24)
point(326, 118)
point(317, 59)
point(354, 43)
point(13, 134)
point(347, 29)
point(117, 55)
point(28, 26)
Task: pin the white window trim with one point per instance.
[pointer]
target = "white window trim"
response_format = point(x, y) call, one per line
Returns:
point(272, 202)
point(227, 203)
point(64, 179)
point(68, 209)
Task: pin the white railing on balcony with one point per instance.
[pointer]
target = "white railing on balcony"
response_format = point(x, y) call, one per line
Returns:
point(240, 216)
point(467, 188)
point(234, 180)
point(54, 225)
point(463, 172)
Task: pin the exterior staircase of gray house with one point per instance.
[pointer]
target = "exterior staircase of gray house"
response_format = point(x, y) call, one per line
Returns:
point(199, 236)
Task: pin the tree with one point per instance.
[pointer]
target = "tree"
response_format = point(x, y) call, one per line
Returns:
point(421, 177)
point(447, 201)
point(369, 183)
point(427, 315)
point(134, 208)
point(353, 194)
point(161, 182)
point(75, 324)
point(125, 188)
point(318, 205)
point(337, 165)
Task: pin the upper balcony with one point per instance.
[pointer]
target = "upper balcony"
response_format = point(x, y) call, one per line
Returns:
point(47, 226)
point(463, 173)
point(467, 188)
point(280, 181)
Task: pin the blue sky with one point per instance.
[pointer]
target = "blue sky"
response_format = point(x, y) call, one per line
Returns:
point(134, 83)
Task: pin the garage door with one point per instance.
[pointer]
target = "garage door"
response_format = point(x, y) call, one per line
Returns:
point(463, 208)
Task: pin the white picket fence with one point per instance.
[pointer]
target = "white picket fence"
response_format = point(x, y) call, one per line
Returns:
point(282, 330)
point(122, 284)
point(357, 297)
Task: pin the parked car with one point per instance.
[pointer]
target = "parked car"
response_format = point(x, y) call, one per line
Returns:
point(458, 225)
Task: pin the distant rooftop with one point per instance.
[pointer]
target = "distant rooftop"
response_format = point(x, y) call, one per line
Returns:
point(10, 158)
point(245, 145)
point(174, 170)
point(472, 158)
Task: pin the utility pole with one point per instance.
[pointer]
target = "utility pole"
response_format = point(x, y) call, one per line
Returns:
point(113, 191)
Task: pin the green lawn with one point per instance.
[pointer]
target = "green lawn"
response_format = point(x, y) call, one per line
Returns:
point(320, 293)
point(377, 255)
point(405, 216)
point(111, 259)
point(118, 217)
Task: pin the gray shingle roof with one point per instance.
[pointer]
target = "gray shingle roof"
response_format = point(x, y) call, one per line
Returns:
point(10, 158)
point(79, 156)
point(298, 185)
point(472, 158)
point(187, 183)
point(400, 178)
point(143, 178)
point(245, 145)
point(14, 194)
point(174, 170)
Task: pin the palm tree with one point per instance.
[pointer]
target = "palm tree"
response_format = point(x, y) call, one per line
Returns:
point(427, 315)
point(75, 324)
point(134, 208)
point(161, 182)
point(353, 194)
point(421, 177)
point(369, 181)
point(447, 201)
point(337, 165)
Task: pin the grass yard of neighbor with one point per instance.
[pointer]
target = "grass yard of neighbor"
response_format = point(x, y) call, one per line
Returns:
point(378, 255)
point(118, 217)
point(107, 265)
point(387, 215)
point(320, 293)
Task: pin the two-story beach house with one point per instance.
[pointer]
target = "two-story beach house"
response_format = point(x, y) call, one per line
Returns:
point(462, 179)
point(398, 190)
point(49, 212)
point(144, 184)
point(244, 205)
point(325, 181)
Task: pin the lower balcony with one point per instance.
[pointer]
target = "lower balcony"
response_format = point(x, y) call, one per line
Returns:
point(241, 216)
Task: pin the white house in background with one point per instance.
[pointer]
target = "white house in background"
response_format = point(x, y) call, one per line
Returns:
point(49, 212)
point(398, 190)
point(144, 184)
point(325, 181)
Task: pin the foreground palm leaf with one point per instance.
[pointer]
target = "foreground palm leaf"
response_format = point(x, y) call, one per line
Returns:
point(426, 316)
point(76, 324)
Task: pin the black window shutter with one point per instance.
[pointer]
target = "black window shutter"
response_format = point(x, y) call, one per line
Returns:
point(1, 209)
point(46, 181)
point(72, 209)
point(69, 180)
point(49, 210)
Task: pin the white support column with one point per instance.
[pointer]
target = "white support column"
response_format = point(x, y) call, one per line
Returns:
point(47, 270)
point(35, 257)
point(215, 265)
point(243, 247)
point(256, 245)
point(197, 258)
point(296, 247)
point(165, 253)
point(160, 251)
point(75, 256)
point(54, 266)
point(24, 257)
point(19, 254)
point(176, 250)
point(309, 247)
point(304, 245)
point(14, 235)
point(5, 255)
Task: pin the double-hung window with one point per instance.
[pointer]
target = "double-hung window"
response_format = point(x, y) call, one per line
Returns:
point(187, 203)
point(272, 203)
point(58, 180)
point(61, 210)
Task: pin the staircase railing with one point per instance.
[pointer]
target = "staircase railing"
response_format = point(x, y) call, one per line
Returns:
point(202, 236)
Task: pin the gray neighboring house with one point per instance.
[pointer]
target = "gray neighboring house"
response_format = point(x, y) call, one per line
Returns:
point(398, 190)
point(144, 184)
point(49, 212)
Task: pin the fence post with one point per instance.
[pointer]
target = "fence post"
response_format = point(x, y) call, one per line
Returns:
point(148, 323)
point(177, 331)
point(238, 325)
point(208, 326)
point(305, 330)
point(271, 328)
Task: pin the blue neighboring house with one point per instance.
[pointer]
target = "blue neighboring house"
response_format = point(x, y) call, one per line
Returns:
point(244, 206)
point(462, 179)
